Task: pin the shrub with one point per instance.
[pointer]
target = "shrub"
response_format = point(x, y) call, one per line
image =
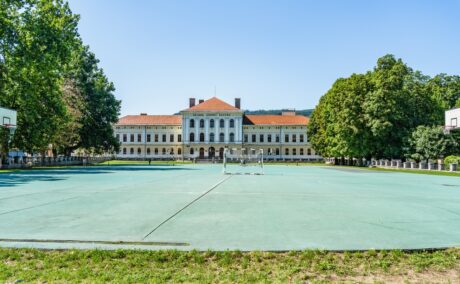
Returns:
point(452, 160)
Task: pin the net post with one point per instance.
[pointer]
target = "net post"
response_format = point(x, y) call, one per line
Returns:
point(262, 160)
point(224, 170)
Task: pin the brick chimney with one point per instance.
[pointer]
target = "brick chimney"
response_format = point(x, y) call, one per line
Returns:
point(201, 101)
point(191, 102)
point(238, 103)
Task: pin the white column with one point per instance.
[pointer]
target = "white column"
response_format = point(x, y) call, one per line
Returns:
point(206, 127)
point(216, 129)
point(240, 129)
point(185, 132)
point(197, 132)
point(227, 125)
point(236, 130)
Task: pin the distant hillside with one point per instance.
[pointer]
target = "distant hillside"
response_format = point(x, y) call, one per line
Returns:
point(305, 112)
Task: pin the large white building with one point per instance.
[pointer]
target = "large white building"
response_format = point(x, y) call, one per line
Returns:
point(205, 129)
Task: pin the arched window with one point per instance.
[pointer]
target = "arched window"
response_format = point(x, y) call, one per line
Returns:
point(301, 152)
point(179, 151)
point(138, 151)
point(131, 151)
point(124, 151)
point(192, 137)
point(156, 151)
point(294, 151)
point(211, 137)
point(191, 151)
point(192, 123)
point(309, 152)
point(163, 151)
point(211, 123)
point(277, 151)
point(232, 123)
point(172, 151)
point(201, 137)
point(232, 137)
point(221, 137)
point(201, 123)
point(286, 151)
point(221, 123)
point(148, 151)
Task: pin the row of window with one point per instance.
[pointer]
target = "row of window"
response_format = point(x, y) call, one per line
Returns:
point(277, 151)
point(148, 127)
point(156, 138)
point(212, 137)
point(165, 151)
point(262, 138)
point(211, 123)
point(287, 138)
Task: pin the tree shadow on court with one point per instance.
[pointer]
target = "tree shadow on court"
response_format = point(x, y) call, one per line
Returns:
point(18, 179)
point(27, 176)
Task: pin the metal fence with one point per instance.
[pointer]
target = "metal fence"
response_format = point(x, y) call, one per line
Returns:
point(30, 162)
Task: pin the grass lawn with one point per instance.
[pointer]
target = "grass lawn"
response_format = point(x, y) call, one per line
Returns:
point(423, 172)
point(131, 266)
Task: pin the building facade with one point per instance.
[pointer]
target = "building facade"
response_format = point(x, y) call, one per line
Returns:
point(207, 128)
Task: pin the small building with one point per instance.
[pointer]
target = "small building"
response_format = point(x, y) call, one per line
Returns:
point(452, 119)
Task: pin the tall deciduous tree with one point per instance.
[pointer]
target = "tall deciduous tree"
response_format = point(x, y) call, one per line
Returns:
point(101, 108)
point(373, 114)
point(42, 35)
point(46, 73)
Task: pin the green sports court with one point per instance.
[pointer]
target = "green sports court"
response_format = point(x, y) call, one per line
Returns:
point(188, 207)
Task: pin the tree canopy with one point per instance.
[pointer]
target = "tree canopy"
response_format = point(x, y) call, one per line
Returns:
point(430, 142)
point(374, 114)
point(53, 80)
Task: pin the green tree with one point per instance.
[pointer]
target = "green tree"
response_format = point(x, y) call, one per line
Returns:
point(320, 129)
point(100, 107)
point(398, 103)
point(445, 90)
point(46, 73)
point(430, 142)
point(373, 114)
point(41, 37)
point(353, 137)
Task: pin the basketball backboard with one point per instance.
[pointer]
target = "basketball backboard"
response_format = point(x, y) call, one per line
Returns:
point(8, 119)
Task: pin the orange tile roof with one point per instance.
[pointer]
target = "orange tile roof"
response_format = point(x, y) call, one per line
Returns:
point(275, 120)
point(150, 120)
point(213, 104)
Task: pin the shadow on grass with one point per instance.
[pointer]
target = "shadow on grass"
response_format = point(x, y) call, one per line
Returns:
point(59, 174)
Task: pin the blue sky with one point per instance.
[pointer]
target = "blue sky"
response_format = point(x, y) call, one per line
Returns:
point(272, 54)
